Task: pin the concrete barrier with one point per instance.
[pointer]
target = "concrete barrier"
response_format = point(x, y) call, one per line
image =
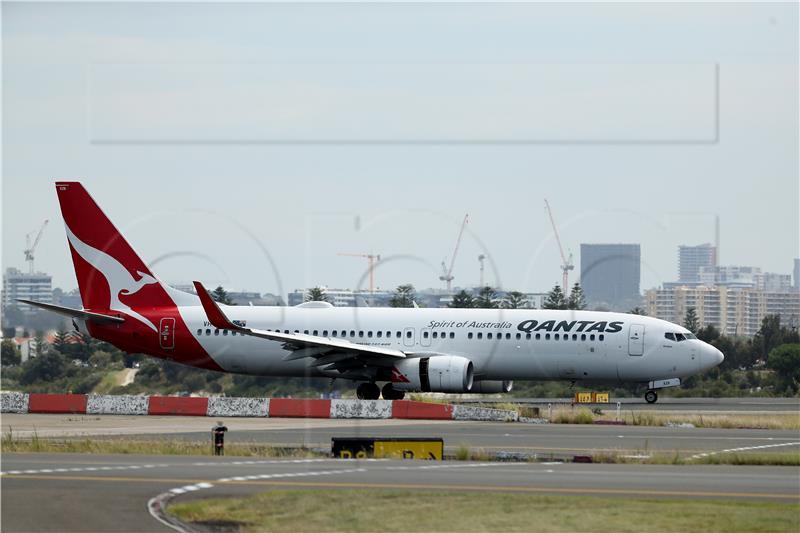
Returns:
point(57, 403)
point(361, 409)
point(467, 412)
point(14, 402)
point(101, 404)
point(220, 406)
point(421, 410)
point(176, 405)
point(290, 408)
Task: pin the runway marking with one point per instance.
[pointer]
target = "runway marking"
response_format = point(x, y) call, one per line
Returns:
point(84, 469)
point(156, 506)
point(746, 448)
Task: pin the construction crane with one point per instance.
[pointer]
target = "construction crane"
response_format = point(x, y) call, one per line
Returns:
point(371, 260)
point(566, 262)
point(481, 259)
point(447, 273)
point(30, 248)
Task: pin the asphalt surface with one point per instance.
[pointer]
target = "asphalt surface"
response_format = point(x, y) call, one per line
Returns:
point(70, 492)
point(544, 440)
point(699, 405)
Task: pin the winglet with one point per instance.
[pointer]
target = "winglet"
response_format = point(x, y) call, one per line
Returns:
point(214, 313)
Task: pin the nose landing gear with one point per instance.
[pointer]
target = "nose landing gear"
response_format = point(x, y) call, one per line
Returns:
point(651, 396)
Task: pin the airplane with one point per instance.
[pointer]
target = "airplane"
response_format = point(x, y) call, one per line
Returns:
point(406, 349)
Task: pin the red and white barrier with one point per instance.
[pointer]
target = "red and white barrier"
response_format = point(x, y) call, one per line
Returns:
point(17, 402)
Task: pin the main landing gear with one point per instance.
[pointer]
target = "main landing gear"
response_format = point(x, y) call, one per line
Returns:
point(370, 391)
point(651, 396)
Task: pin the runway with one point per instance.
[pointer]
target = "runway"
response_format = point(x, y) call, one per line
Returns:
point(544, 440)
point(699, 405)
point(69, 492)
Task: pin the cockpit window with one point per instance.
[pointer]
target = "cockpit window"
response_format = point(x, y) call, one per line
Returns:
point(679, 337)
point(669, 336)
point(690, 335)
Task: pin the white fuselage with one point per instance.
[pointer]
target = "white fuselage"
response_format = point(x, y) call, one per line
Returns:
point(502, 344)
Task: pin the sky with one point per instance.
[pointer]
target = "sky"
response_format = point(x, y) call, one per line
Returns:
point(249, 144)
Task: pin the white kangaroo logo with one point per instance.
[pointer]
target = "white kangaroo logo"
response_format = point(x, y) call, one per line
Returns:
point(119, 280)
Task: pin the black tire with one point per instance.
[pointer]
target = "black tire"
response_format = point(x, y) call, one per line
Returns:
point(651, 396)
point(390, 393)
point(368, 391)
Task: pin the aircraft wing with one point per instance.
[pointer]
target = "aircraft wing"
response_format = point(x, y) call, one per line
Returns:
point(326, 351)
point(74, 313)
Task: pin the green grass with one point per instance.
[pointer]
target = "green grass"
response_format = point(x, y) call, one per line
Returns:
point(9, 443)
point(397, 510)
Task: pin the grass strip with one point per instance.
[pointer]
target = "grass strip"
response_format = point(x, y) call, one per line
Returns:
point(397, 510)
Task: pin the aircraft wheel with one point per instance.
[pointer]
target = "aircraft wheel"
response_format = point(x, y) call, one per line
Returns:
point(390, 393)
point(368, 391)
point(651, 396)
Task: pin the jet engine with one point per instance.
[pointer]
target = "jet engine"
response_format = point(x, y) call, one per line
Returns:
point(491, 387)
point(442, 373)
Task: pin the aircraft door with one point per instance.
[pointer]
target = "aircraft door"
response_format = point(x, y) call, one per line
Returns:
point(636, 339)
point(166, 333)
point(425, 336)
point(408, 337)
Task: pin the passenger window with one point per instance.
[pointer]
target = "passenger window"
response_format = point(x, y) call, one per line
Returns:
point(369, 334)
point(574, 336)
point(528, 336)
point(224, 332)
point(452, 335)
point(360, 333)
point(556, 336)
point(398, 335)
point(286, 331)
point(316, 333)
point(583, 336)
point(489, 336)
point(669, 336)
point(508, 335)
point(425, 334)
point(602, 337)
point(538, 336)
point(352, 333)
point(480, 335)
point(547, 337)
point(519, 336)
point(325, 333)
point(679, 337)
point(388, 334)
point(333, 333)
point(305, 331)
point(435, 335)
point(344, 333)
point(216, 332)
point(199, 331)
point(469, 335)
point(380, 334)
point(566, 337)
point(408, 334)
point(208, 332)
point(591, 337)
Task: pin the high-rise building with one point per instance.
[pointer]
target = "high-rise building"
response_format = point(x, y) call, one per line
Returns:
point(734, 311)
point(797, 274)
point(16, 284)
point(610, 274)
point(691, 259)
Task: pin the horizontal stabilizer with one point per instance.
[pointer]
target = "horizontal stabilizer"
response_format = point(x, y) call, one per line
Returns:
point(75, 313)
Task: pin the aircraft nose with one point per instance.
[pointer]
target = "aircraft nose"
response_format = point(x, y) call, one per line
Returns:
point(711, 356)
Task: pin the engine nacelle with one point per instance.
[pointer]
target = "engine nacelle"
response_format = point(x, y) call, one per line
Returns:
point(492, 387)
point(442, 373)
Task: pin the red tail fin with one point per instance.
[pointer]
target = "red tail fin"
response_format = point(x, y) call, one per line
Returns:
point(110, 274)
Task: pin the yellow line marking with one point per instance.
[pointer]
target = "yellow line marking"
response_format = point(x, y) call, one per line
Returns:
point(410, 486)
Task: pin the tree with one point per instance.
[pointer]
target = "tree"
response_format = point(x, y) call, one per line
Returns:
point(515, 300)
point(690, 321)
point(487, 298)
point(404, 296)
point(221, 295)
point(40, 345)
point(10, 354)
point(49, 366)
point(60, 341)
point(555, 299)
point(576, 300)
point(785, 361)
point(462, 299)
point(768, 336)
point(637, 311)
point(708, 334)
point(316, 294)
